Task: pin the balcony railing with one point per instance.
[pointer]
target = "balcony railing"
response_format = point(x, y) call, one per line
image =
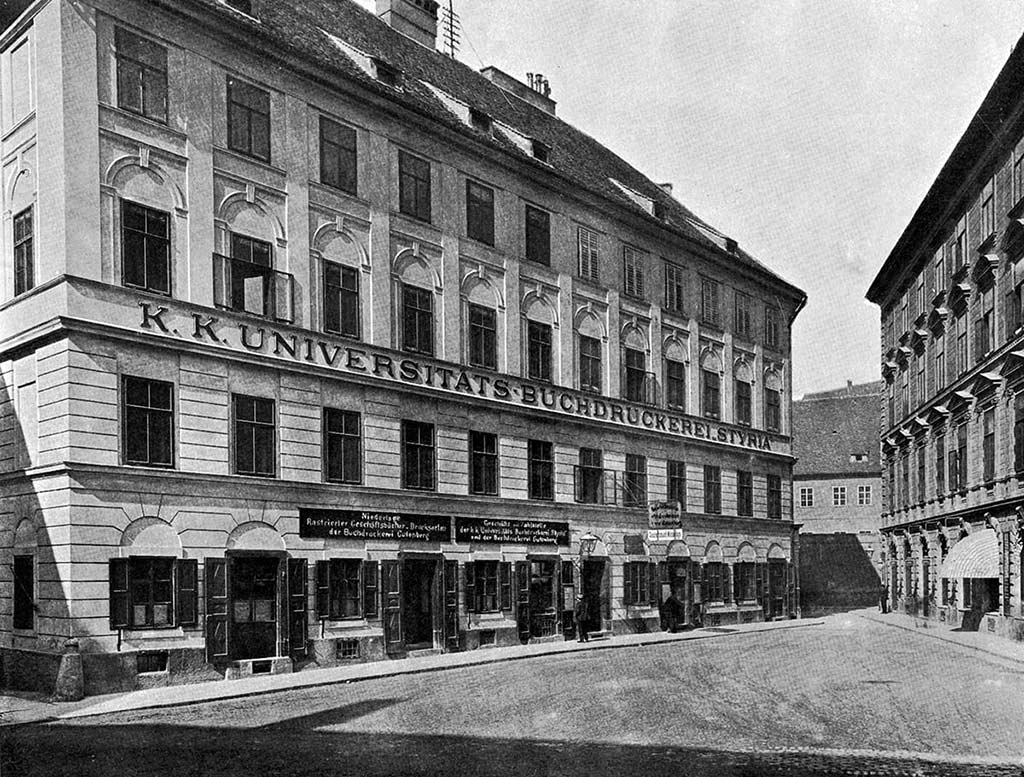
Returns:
point(639, 386)
point(595, 486)
point(252, 288)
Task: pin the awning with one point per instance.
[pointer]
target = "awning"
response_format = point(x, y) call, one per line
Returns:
point(976, 555)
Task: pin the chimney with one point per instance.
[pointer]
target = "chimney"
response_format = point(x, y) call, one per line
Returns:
point(538, 93)
point(414, 18)
point(666, 187)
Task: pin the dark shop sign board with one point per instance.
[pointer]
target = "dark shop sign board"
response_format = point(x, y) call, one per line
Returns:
point(365, 525)
point(510, 532)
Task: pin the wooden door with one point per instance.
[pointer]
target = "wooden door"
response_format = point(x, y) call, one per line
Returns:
point(523, 600)
point(216, 581)
point(298, 607)
point(450, 593)
point(391, 592)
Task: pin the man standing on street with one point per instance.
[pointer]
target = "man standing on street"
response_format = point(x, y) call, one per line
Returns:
point(581, 612)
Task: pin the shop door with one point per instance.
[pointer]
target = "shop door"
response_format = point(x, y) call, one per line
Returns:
point(592, 588)
point(776, 588)
point(298, 605)
point(451, 605)
point(418, 605)
point(675, 593)
point(543, 588)
point(253, 611)
point(216, 581)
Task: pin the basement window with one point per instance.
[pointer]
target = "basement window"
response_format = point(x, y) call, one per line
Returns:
point(388, 74)
point(347, 649)
point(151, 661)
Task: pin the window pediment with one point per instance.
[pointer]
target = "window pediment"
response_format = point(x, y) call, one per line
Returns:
point(937, 415)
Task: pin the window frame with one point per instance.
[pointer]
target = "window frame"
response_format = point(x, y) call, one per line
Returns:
point(345, 438)
point(254, 118)
point(344, 299)
point(865, 495)
point(414, 187)
point(480, 204)
point(772, 410)
point(742, 315)
point(712, 489)
point(343, 175)
point(676, 482)
point(634, 481)
point(539, 351)
point(254, 425)
point(24, 250)
point(148, 238)
point(633, 272)
point(417, 336)
point(675, 385)
point(772, 328)
point(148, 412)
point(484, 463)
point(806, 496)
point(482, 336)
point(710, 394)
point(710, 302)
point(675, 287)
point(839, 496)
point(23, 593)
point(424, 462)
point(743, 401)
point(134, 563)
point(540, 470)
point(589, 363)
point(537, 235)
point(745, 493)
point(144, 71)
point(774, 489)
point(588, 254)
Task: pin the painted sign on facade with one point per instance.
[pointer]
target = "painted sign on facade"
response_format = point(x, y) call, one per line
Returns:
point(362, 524)
point(664, 515)
point(511, 532)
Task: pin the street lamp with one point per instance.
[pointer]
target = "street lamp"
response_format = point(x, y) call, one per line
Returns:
point(587, 544)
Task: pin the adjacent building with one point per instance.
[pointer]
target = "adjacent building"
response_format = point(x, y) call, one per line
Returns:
point(837, 488)
point(952, 414)
point(318, 346)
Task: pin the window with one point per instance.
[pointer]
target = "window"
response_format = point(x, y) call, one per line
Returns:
point(24, 259)
point(541, 469)
point(712, 489)
point(985, 327)
point(940, 271)
point(248, 119)
point(771, 327)
point(921, 496)
point(713, 584)
point(538, 351)
point(940, 464)
point(388, 74)
point(675, 288)
point(635, 362)
point(1018, 179)
point(417, 320)
point(1018, 432)
point(483, 463)
point(743, 402)
point(839, 496)
point(960, 245)
point(988, 209)
point(590, 364)
point(939, 348)
point(590, 476)
point(337, 156)
point(677, 482)
point(958, 460)
point(588, 254)
point(341, 300)
point(744, 493)
point(775, 497)
point(152, 592)
point(675, 384)
point(417, 455)
point(343, 445)
point(480, 212)
point(632, 272)
point(772, 410)
point(346, 588)
point(635, 482)
point(864, 495)
point(413, 186)
point(538, 236)
point(711, 401)
point(488, 586)
point(745, 581)
point(254, 435)
point(988, 445)
point(252, 276)
point(961, 344)
point(148, 422)
point(483, 337)
point(24, 593)
point(145, 248)
point(637, 583)
point(1015, 306)
point(141, 75)
point(741, 319)
point(806, 496)
point(709, 310)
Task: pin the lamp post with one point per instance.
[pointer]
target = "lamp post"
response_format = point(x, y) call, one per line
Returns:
point(587, 544)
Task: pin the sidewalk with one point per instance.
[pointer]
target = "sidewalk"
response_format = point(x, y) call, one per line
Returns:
point(981, 641)
point(32, 708)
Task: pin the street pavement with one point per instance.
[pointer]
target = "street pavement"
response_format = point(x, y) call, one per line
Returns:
point(850, 696)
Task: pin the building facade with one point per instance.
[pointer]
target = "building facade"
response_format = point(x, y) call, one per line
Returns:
point(952, 436)
point(318, 346)
point(837, 488)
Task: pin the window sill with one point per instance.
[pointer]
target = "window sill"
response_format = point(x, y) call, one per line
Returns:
point(331, 482)
point(261, 475)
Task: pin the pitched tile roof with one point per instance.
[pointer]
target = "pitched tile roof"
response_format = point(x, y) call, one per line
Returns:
point(307, 28)
point(830, 426)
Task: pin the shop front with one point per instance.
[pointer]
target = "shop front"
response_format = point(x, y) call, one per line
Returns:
point(974, 562)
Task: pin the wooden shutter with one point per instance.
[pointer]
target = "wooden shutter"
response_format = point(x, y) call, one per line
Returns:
point(705, 579)
point(283, 297)
point(663, 582)
point(323, 589)
point(470, 573)
point(523, 600)
point(726, 583)
point(505, 585)
point(187, 593)
point(391, 591)
point(653, 583)
point(216, 581)
point(118, 574)
point(451, 605)
point(556, 594)
point(628, 595)
point(221, 281)
point(283, 631)
point(298, 606)
point(371, 575)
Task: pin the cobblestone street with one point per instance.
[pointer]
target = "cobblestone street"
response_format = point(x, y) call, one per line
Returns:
point(849, 697)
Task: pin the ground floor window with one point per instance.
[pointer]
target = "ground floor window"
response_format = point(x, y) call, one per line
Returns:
point(542, 585)
point(714, 589)
point(640, 583)
point(153, 592)
point(745, 581)
point(488, 586)
point(24, 598)
point(346, 588)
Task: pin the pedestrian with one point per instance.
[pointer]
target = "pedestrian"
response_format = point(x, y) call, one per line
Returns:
point(582, 613)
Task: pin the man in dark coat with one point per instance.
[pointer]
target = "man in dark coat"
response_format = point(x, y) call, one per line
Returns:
point(581, 612)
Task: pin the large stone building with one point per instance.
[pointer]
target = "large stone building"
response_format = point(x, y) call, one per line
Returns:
point(952, 416)
point(319, 346)
point(837, 488)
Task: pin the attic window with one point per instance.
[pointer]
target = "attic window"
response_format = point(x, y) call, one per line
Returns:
point(541, 151)
point(244, 6)
point(388, 74)
point(480, 120)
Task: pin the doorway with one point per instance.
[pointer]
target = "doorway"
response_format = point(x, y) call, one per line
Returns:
point(676, 594)
point(776, 588)
point(418, 579)
point(592, 586)
point(254, 611)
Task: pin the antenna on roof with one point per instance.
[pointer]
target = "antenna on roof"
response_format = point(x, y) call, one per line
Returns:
point(451, 31)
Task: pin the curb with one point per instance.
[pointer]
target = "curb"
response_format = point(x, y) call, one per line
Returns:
point(930, 633)
point(398, 671)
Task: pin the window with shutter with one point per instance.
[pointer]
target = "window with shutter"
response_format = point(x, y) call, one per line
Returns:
point(588, 254)
point(633, 272)
point(709, 307)
point(187, 578)
point(371, 585)
point(118, 576)
point(674, 287)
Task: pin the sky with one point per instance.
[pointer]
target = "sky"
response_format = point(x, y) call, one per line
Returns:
point(807, 130)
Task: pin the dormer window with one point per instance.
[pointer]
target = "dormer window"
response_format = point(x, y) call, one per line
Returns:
point(388, 74)
point(541, 151)
point(244, 6)
point(481, 121)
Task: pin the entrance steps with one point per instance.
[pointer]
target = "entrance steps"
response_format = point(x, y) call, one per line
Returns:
point(251, 667)
point(597, 636)
point(423, 652)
